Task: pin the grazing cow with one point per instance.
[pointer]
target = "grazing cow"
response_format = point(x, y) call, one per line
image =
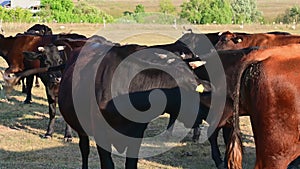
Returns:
point(267, 88)
point(12, 52)
point(139, 90)
point(230, 40)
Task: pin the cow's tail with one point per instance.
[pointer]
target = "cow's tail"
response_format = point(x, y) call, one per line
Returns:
point(234, 149)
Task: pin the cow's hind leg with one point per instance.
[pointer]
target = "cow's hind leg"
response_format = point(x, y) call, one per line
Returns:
point(132, 155)
point(105, 158)
point(84, 145)
point(226, 136)
point(170, 126)
point(215, 151)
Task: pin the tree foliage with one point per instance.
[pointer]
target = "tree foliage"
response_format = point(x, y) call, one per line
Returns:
point(15, 15)
point(291, 15)
point(207, 11)
point(65, 11)
point(166, 7)
point(139, 8)
point(245, 11)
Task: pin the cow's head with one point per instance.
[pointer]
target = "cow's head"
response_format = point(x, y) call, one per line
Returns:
point(228, 40)
point(49, 56)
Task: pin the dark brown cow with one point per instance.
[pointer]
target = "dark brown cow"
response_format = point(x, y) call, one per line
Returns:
point(230, 40)
point(39, 29)
point(267, 88)
point(141, 86)
point(199, 43)
point(229, 59)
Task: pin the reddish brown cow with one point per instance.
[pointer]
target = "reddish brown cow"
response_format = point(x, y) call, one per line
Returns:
point(12, 48)
point(267, 88)
point(230, 40)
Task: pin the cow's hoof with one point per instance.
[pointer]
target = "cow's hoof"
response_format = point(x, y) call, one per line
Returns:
point(68, 139)
point(46, 136)
point(27, 102)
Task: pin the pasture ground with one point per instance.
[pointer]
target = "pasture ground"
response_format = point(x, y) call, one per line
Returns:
point(22, 125)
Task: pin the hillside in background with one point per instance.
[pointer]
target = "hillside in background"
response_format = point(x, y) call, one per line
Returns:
point(270, 8)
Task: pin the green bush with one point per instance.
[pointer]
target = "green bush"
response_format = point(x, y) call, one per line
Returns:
point(15, 15)
point(166, 7)
point(207, 11)
point(245, 11)
point(64, 11)
point(291, 15)
point(139, 9)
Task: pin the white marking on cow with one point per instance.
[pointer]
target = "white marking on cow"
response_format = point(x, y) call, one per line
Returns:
point(183, 55)
point(196, 64)
point(170, 60)
point(59, 48)
point(41, 49)
point(162, 56)
point(240, 40)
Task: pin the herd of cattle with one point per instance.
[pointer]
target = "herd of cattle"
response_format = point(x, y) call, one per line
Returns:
point(261, 77)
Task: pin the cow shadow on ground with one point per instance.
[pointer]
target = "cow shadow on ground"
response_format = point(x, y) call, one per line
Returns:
point(33, 118)
point(30, 119)
point(189, 154)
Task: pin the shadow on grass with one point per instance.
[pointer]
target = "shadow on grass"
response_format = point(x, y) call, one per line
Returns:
point(32, 118)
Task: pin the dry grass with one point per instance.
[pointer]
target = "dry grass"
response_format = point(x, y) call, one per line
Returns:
point(21, 125)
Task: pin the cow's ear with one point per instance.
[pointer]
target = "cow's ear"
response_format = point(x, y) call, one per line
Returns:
point(237, 39)
point(32, 55)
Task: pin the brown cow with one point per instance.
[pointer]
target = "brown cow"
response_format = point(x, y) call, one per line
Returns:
point(12, 48)
point(230, 40)
point(267, 88)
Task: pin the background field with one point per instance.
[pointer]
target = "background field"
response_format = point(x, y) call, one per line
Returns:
point(22, 125)
point(270, 8)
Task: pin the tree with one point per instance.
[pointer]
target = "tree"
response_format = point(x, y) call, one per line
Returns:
point(139, 8)
point(291, 15)
point(166, 7)
point(65, 11)
point(245, 11)
point(207, 11)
